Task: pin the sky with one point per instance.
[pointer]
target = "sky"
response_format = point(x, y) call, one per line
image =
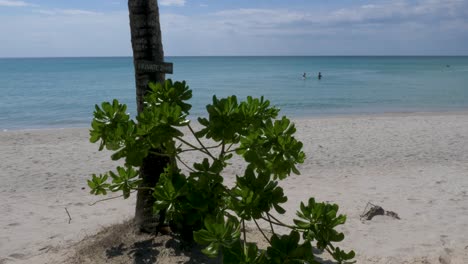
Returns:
point(75, 28)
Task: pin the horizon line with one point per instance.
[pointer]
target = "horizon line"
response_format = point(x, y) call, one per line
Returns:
point(130, 56)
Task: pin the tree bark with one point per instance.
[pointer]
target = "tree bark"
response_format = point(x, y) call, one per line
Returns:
point(147, 45)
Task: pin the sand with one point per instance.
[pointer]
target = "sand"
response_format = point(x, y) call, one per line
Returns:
point(414, 164)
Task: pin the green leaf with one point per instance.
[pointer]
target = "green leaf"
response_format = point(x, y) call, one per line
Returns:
point(176, 93)
point(124, 180)
point(98, 184)
point(318, 222)
point(343, 257)
point(243, 254)
point(286, 249)
point(218, 233)
point(111, 125)
point(255, 195)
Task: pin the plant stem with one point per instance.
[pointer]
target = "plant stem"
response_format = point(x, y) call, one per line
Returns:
point(143, 188)
point(234, 150)
point(223, 146)
point(203, 150)
point(278, 223)
point(107, 199)
point(199, 142)
point(229, 148)
point(183, 163)
point(261, 231)
point(245, 235)
point(276, 219)
point(271, 225)
point(329, 251)
point(160, 154)
point(200, 149)
point(228, 192)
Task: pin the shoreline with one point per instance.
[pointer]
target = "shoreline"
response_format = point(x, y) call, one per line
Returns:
point(385, 114)
point(292, 118)
point(197, 56)
point(412, 164)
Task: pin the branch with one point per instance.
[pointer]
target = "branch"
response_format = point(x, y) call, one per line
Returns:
point(160, 154)
point(228, 192)
point(203, 150)
point(276, 219)
point(261, 231)
point(111, 198)
point(200, 149)
point(328, 250)
point(245, 236)
point(230, 146)
point(69, 217)
point(222, 148)
point(183, 163)
point(278, 223)
point(199, 142)
point(142, 188)
point(234, 150)
point(271, 225)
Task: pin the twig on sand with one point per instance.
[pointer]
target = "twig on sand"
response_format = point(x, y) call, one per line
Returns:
point(115, 197)
point(69, 217)
point(376, 210)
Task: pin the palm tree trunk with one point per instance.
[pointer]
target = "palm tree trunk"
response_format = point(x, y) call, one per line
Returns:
point(147, 45)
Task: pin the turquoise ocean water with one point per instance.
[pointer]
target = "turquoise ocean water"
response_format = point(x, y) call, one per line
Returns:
point(62, 92)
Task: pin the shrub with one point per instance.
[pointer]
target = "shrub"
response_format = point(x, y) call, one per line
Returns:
point(195, 200)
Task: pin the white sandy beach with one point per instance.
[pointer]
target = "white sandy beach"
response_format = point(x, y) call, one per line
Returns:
point(413, 164)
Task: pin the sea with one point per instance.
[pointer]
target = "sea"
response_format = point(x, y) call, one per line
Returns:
point(38, 93)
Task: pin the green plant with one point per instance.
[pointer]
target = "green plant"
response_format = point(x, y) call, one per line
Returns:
point(195, 199)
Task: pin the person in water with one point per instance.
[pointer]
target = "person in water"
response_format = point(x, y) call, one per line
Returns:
point(320, 75)
point(304, 75)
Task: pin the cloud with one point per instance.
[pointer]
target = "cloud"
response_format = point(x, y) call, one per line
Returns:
point(381, 12)
point(59, 34)
point(386, 14)
point(383, 27)
point(14, 3)
point(264, 17)
point(172, 2)
point(400, 11)
point(72, 12)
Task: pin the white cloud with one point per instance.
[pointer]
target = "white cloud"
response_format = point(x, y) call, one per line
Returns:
point(400, 11)
point(172, 2)
point(72, 12)
point(61, 34)
point(424, 13)
point(383, 27)
point(14, 3)
point(45, 12)
point(271, 17)
point(77, 12)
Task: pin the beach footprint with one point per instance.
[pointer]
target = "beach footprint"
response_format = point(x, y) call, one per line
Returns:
point(5, 261)
point(445, 257)
point(17, 256)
